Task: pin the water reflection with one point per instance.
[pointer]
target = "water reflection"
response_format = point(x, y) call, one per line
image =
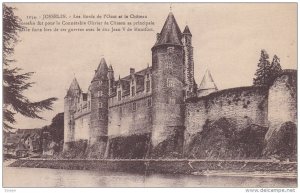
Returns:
point(42, 177)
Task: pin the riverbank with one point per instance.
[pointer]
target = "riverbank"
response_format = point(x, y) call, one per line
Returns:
point(169, 166)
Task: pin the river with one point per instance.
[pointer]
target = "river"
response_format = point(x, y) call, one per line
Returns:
point(43, 177)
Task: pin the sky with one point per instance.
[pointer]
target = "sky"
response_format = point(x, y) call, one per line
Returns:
point(227, 40)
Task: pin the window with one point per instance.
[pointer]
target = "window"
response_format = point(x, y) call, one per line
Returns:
point(100, 93)
point(147, 85)
point(100, 82)
point(100, 105)
point(149, 102)
point(170, 83)
point(132, 91)
point(170, 49)
point(134, 106)
point(172, 101)
point(119, 95)
point(169, 63)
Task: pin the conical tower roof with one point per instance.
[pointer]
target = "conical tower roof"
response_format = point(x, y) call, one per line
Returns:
point(74, 88)
point(101, 71)
point(170, 33)
point(207, 82)
point(187, 30)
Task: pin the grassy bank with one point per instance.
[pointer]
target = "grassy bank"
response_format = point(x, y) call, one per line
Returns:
point(173, 166)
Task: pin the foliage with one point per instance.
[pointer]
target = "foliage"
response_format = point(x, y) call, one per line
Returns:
point(266, 72)
point(56, 128)
point(15, 82)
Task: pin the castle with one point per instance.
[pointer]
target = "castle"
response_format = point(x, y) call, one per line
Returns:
point(162, 106)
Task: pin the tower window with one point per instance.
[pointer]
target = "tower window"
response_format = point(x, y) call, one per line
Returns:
point(170, 50)
point(172, 101)
point(170, 82)
point(134, 106)
point(100, 105)
point(100, 93)
point(132, 91)
point(119, 95)
point(147, 85)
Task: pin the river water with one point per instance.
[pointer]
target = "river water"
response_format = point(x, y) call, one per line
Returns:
point(43, 177)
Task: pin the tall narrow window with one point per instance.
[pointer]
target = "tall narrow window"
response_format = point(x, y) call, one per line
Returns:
point(149, 102)
point(100, 105)
point(119, 95)
point(132, 91)
point(147, 85)
point(134, 106)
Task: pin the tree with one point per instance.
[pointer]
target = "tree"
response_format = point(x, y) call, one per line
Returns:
point(56, 128)
point(266, 72)
point(275, 68)
point(15, 82)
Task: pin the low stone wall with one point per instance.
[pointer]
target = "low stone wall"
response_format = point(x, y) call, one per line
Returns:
point(179, 166)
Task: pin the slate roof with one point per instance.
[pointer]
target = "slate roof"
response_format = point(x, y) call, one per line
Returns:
point(170, 33)
point(101, 71)
point(74, 88)
point(207, 82)
point(186, 30)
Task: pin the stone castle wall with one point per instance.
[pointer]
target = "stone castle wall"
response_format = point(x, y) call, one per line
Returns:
point(82, 124)
point(245, 105)
point(282, 101)
point(131, 116)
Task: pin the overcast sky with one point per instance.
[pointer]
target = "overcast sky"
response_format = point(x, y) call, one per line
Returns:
point(227, 39)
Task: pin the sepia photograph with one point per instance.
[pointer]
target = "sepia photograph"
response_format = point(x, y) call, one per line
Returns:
point(151, 95)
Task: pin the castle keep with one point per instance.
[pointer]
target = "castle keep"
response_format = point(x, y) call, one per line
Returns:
point(158, 110)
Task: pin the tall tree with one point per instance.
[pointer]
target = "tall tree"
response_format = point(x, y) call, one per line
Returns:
point(275, 68)
point(56, 128)
point(266, 72)
point(15, 82)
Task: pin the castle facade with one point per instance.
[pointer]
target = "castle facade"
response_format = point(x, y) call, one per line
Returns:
point(161, 105)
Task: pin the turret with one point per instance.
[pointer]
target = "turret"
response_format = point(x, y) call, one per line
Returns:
point(99, 108)
point(188, 63)
point(70, 101)
point(167, 89)
point(207, 85)
point(111, 80)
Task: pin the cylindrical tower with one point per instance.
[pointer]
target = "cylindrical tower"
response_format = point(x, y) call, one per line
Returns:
point(70, 101)
point(99, 109)
point(167, 90)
